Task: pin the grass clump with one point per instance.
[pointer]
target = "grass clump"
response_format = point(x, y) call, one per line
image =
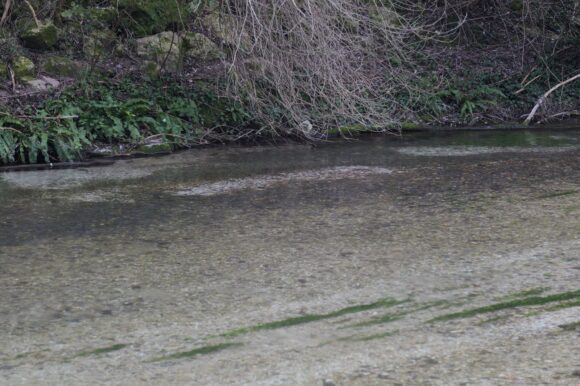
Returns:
point(387, 302)
point(525, 302)
point(198, 351)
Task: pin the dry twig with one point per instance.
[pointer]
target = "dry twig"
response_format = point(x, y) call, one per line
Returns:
point(546, 95)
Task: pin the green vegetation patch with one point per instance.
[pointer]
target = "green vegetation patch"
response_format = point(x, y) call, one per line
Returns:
point(127, 112)
point(574, 303)
point(560, 194)
point(575, 326)
point(526, 293)
point(103, 350)
point(387, 302)
point(366, 338)
point(388, 318)
point(525, 302)
point(198, 351)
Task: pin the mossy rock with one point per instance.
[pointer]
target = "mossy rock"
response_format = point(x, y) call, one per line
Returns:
point(79, 13)
point(61, 66)
point(199, 47)
point(23, 68)
point(98, 43)
point(141, 18)
point(223, 28)
point(163, 49)
point(42, 37)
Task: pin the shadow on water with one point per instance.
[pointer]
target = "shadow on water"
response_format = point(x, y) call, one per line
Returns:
point(136, 194)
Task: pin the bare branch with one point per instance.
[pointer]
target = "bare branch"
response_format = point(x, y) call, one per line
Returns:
point(546, 95)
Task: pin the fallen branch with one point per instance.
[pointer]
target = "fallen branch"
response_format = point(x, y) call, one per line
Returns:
point(10, 129)
point(526, 85)
point(33, 13)
point(7, 6)
point(545, 96)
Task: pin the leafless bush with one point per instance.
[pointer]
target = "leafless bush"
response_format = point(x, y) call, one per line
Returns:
point(312, 65)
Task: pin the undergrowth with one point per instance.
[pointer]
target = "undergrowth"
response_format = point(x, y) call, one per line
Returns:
point(118, 112)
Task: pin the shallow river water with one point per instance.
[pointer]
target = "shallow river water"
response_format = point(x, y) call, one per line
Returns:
point(433, 259)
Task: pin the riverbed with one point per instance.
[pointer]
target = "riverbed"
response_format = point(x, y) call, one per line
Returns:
point(441, 259)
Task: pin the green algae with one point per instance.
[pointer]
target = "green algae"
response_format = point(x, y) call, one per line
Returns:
point(367, 338)
point(198, 351)
point(103, 350)
point(575, 326)
point(387, 318)
point(526, 293)
point(575, 303)
point(559, 194)
point(386, 302)
point(525, 302)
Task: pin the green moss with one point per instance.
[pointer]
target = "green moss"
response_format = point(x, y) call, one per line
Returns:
point(61, 66)
point(387, 318)
point(164, 49)
point(41, 37)
point(198, 351)
point(103, 350)
point(200, 47)
point(23, 68)
point(409, 126)
point(525, 302)
point(387, 302)
point(147, 17)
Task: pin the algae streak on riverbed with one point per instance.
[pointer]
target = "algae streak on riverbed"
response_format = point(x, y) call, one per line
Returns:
point(416, 260)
